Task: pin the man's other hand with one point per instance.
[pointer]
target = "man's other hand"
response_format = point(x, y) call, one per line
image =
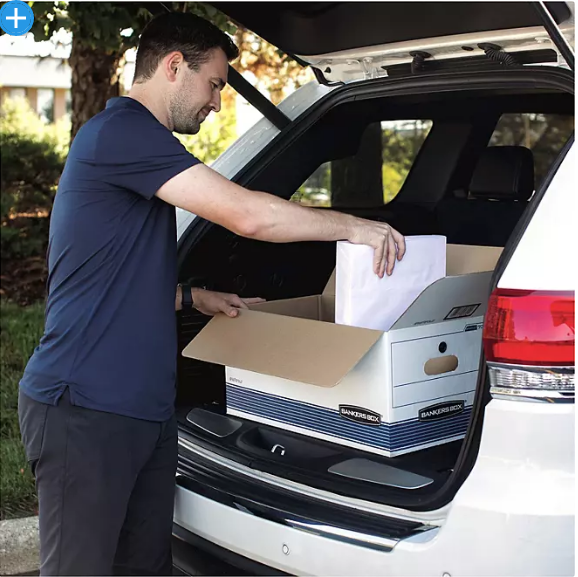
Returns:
point(210, 302)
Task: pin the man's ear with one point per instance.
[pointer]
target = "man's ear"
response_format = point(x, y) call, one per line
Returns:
point(171, 64)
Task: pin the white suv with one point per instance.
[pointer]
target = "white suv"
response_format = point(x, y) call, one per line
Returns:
point(471, 104)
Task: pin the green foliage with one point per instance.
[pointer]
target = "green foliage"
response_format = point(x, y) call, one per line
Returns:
point(275, 72)
point(109, 26)
point(393, 176)
point(316, 190)
point(20, 331)
point(33, 155)
point(97, 24)
point(17, 489)
point(206, 11)
point(18, 117)
point(24, 238)
point(401, 142)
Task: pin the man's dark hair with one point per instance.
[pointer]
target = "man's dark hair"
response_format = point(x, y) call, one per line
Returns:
point(189, 34)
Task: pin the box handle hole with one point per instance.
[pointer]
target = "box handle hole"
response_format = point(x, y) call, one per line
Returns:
point(441, 365)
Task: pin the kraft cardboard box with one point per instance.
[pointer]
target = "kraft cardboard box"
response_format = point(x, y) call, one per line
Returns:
point(289, 365)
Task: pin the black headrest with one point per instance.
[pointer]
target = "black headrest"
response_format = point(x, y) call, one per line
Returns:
point(505, 173)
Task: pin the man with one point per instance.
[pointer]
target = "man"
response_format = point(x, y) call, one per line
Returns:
point(97, 397)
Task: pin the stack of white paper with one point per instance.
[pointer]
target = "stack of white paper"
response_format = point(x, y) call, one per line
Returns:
point(362, 299)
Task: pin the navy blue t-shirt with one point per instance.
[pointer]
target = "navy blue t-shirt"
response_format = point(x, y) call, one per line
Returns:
point(110, 333)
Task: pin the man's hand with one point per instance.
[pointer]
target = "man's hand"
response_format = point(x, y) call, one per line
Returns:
point(386, 241)
point(210, 303)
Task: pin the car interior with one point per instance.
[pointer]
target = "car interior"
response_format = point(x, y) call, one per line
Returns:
point(463, 182)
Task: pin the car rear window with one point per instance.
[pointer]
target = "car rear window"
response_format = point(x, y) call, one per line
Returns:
point(394, 144)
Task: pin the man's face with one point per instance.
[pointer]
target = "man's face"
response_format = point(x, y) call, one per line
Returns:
point(197, 93)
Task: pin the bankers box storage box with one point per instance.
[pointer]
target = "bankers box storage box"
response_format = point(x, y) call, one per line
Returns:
point(289, 365)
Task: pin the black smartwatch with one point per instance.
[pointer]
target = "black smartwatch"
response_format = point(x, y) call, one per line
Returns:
point(186, 297)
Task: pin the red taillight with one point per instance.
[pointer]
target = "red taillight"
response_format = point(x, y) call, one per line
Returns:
point(530, 328)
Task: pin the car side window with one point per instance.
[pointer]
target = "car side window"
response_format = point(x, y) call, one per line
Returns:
point(375, 174)
point(543, 134)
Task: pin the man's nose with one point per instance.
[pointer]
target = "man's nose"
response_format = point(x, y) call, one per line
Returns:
point(216, 102)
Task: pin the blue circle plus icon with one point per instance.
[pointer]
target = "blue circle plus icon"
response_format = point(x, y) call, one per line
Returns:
point(16, 18)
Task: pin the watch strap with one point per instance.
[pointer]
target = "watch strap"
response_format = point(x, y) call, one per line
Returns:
point(187, 297)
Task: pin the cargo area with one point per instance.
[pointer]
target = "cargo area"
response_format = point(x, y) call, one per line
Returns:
point(387, 392)
point(465, 182)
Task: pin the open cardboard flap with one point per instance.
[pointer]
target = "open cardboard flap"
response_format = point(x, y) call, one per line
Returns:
point(466, 259)
point(297, 349)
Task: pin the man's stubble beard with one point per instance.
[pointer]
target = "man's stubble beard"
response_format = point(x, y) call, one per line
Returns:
point(185, 120)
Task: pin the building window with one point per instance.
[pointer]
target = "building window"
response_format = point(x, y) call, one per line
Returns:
point(45, 105)
point(15, 93)
point(68, 100)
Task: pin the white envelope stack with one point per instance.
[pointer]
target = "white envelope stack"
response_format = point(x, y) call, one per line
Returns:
point(362, 299)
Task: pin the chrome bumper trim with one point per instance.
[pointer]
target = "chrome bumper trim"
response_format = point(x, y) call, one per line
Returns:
point(433, 518)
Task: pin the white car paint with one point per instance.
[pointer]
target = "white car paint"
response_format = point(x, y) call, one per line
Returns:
point(546, 258)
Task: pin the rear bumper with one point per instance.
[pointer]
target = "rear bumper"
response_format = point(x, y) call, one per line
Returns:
point(193, 555)
point(514, 515)
point(270, 544)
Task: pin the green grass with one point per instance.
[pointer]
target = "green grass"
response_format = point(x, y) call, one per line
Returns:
point(20, 331)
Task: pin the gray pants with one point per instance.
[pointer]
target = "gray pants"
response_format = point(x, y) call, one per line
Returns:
point(106, 487)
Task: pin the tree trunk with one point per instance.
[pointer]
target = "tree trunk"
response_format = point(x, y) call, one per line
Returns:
point(358, 180)
point(95, 79)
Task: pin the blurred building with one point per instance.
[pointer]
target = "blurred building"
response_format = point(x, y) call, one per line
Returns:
point(38, 72)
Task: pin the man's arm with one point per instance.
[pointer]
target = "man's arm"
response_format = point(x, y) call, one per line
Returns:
point(263, 216)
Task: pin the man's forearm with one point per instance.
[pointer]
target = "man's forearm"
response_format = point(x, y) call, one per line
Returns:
point(276, 220)
point(258, 215)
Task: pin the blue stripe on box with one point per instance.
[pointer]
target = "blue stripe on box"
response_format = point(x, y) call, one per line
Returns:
point(387, 436)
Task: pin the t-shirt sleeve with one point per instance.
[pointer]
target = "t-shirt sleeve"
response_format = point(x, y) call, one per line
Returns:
point(139, 154)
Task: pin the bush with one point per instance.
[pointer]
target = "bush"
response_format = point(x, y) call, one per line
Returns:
point(33, 156)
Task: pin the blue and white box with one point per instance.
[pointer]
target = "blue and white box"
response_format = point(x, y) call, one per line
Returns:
point(386, 392)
